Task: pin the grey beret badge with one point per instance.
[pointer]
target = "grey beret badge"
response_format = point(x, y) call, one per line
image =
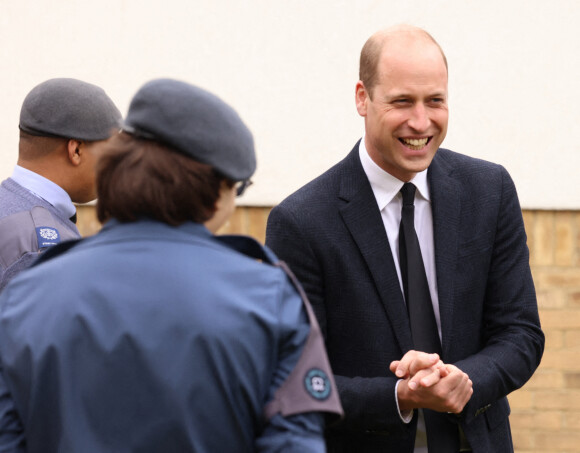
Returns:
point(317, 384)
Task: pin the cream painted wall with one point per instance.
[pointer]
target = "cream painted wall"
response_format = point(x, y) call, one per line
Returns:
point(289, 68)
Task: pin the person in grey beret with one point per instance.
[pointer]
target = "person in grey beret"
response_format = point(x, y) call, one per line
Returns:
point(167, 337)
point(61, 122)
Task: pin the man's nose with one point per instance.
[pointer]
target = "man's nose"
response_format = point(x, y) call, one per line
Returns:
point(419, 119)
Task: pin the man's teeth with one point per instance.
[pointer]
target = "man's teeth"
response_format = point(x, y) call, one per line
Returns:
point(417, 143)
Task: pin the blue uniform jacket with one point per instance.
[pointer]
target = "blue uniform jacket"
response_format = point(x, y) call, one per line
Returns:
point(150, 338)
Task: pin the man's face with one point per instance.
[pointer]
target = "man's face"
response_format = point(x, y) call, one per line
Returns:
point(406, 119)
point(86, 187)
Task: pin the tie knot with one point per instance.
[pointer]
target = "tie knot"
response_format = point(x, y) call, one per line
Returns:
point(408, 191)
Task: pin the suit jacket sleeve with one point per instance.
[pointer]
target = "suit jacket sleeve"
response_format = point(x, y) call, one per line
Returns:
point(511, 337)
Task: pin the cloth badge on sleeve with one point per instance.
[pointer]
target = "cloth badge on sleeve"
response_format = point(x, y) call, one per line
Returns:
point(317, 384)
point(47, 236)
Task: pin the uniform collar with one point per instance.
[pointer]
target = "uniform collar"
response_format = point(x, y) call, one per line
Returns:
point(146, 226)
point(45, 189)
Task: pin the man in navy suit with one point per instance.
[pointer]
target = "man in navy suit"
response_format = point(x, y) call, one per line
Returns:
point(340, 234)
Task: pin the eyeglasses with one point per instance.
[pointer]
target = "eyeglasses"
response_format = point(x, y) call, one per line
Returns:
point(242, 186)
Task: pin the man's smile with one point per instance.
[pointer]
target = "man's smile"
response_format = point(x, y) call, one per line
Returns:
point(415, 144)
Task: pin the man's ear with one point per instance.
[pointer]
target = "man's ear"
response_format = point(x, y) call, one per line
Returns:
point(74, 151)
point(361, 97)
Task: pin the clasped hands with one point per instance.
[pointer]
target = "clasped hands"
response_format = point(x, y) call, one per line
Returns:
point(428, 383)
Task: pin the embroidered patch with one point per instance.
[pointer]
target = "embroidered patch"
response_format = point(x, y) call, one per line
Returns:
point(317, 384)
point(47, 236)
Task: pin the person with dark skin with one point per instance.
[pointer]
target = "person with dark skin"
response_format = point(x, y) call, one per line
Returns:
point(62, 121)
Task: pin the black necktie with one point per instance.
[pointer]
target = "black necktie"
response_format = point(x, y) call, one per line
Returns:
point(73, 218)
point(415, 286)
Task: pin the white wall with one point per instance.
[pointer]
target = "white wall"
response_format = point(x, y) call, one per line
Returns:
point(289, 68)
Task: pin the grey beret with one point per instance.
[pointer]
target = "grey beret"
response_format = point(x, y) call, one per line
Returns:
point(69, 108)
point(194, 122)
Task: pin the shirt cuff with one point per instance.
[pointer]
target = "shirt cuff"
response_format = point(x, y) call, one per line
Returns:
point(405, 416)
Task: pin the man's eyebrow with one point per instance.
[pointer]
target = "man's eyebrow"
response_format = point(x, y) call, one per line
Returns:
point(390, 97)
point(403, 95)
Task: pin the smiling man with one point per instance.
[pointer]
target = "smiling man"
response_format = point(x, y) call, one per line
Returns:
point(414, 258)
point(405, 103)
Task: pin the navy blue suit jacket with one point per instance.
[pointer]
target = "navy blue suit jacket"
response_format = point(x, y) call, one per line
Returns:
point(331, 234)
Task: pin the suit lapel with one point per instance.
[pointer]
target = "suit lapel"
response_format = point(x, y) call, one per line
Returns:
point(446, 207)
point(363, 219)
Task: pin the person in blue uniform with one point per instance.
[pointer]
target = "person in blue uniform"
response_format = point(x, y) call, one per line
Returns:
point(61, 122)
point(155, 335)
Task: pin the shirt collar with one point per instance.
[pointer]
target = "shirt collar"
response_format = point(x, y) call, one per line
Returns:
point(45, 189)
point(384, 185)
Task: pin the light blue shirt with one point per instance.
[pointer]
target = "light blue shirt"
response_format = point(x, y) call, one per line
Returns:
point(45, 189)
